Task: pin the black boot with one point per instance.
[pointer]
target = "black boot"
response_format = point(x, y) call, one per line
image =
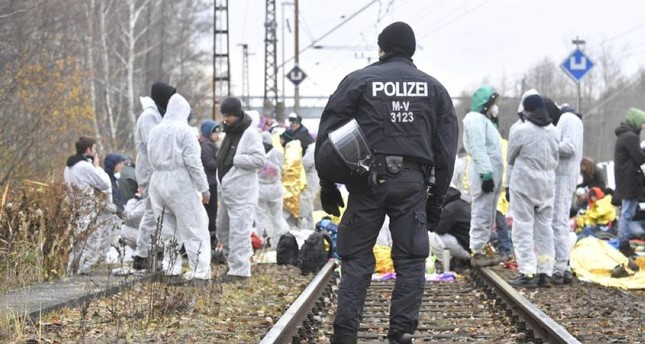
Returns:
point(544, 281)
point(343, 339)
point(524, 281)
point(626, 249)
point(400, 338)
point(139, 263)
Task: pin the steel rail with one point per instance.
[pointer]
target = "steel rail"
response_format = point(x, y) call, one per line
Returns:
point(287, 326)
point(541, 324)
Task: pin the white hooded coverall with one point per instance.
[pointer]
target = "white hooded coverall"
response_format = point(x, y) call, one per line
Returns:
point(483, 144)
point(269, 215)
point(309, 193)
point(94, 214)
point(238, 195)
point(566, 177)
point(532, 159)
point(148, 119)
point(176, 184)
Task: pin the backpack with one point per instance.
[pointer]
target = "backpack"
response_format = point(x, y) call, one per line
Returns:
point(326, 225)
point(287, 250)
point(313, 255)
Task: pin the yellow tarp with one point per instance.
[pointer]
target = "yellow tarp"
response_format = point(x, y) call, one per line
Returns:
point(384, 262)
point(593, 260)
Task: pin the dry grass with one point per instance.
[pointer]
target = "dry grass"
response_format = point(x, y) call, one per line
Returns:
point(34, 235)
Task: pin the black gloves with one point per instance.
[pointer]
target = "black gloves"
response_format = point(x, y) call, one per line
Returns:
point(488, 185)
point(487, 182)
point(433, 213)
point(508, 194)
point(330, 198)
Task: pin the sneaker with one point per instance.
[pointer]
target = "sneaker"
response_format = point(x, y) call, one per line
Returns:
point(232, 278)
point(139, 263)
point(557, 278)
point(525, 281)
point(619, 272)
point(567, 277)
point(481, 260)
point(631, 263)
point(543, 281)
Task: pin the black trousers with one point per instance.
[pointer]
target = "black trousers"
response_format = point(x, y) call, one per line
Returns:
point(402, 197)
point(211, 210)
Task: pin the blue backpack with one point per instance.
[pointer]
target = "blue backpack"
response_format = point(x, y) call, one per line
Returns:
point(325, 225)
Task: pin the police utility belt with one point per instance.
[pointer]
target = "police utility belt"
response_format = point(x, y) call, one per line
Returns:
point(392, 165)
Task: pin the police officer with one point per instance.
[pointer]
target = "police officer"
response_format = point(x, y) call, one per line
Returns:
point(408, 121)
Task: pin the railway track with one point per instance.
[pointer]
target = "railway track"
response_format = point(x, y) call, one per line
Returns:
point(480, 308)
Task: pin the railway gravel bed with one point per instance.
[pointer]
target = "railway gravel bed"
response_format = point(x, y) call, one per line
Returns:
point(452, 312)
point(590, 312)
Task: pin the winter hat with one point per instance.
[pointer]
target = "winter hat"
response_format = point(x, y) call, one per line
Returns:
point(231, 106)
point(161, 93)
point(266, 138)
point(635, 118)
point(552, 109)
point(110, 162)
point(532, 91)
point(533, 102)
point(207, 127)
point(295, 118)
point(398, 38)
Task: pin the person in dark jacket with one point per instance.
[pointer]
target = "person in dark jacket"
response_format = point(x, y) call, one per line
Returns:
point(628, 158)
point(299, 131)
point(409, 124)
point(209, 131)
point(113, 164)
point(453, 228)
point(128, 182)
point(591, 175)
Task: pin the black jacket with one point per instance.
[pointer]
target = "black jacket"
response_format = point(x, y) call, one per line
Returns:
point(628, 158)
point(455, 218)
point(209, 159)
point(401, 110)
point(305, 138)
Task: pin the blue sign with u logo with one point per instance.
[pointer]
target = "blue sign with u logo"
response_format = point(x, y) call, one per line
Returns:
point(577, 65)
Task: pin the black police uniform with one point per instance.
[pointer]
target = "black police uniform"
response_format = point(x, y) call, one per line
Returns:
point(404, 113)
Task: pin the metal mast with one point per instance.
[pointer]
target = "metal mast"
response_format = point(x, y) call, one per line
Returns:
point(246, 101)
point(221, 61)
point(270, 59)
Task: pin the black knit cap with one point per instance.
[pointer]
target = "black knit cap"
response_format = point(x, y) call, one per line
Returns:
point(398, 38)
point(231, 106)
point(161, 92)
point(533, 102)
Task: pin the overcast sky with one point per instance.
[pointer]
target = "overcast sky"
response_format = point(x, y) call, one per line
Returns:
point(461, 43)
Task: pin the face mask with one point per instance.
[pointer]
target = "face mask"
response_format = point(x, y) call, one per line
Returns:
point(117, 175)
point(494, 111)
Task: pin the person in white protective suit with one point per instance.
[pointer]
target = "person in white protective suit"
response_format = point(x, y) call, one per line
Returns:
point(270, 221)
point(90, 191)
point(154, 108)
point(483, 144)
point(566, 178)
point(532, 159)
point(132, 215)
point(309, 193)
point(240, 157)
point(178, 178)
